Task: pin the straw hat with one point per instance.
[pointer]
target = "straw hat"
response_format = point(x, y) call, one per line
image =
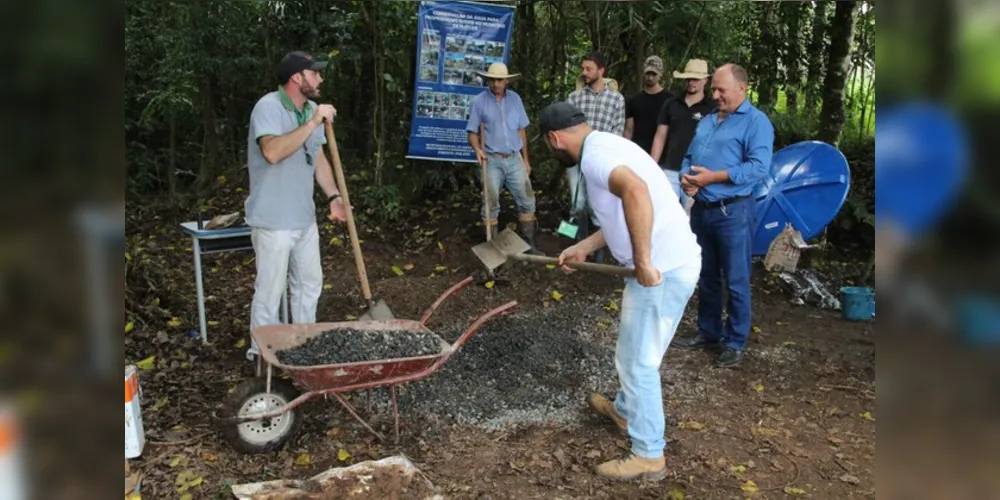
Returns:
point(498, 71)
point(610, 82)
point(695, 68)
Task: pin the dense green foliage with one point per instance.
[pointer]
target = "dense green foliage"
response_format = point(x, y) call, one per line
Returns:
point(195, 68)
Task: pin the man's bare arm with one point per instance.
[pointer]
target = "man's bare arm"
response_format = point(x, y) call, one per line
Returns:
point(629, 127)
point(638, 206)
point(524, 145)
point(593, 242)
point(474, 141)
point(276, 148)
point(659, 141)
point(324, 175)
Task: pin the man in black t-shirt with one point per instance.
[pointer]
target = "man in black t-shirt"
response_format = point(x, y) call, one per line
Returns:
point(642, 108)
point(677, 121)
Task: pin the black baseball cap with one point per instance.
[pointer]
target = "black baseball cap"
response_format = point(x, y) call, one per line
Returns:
point(296, 62)
point(560, 115)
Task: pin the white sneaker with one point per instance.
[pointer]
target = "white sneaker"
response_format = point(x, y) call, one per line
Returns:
point(252, 352)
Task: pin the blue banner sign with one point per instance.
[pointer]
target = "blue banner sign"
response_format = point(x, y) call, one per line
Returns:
point(455, 41)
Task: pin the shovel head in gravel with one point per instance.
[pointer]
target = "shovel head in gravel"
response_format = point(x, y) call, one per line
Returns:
point(377, 311)
point(495, 253)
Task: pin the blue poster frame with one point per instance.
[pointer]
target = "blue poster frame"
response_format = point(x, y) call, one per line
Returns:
point(454, 40)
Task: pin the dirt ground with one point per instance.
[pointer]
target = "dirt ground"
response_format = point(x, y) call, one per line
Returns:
point(796, 419)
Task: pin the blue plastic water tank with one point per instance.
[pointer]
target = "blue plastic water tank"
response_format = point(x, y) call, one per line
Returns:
point(922, 159)
point(806, 187)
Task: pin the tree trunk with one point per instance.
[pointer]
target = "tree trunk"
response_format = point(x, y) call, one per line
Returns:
point(831, 120)
point(942, 49)
point(212, 144)
point(364, 71)
point(524, 56)
point(172, 156)
point(633, 48)
point(815, 52)
point(764, 65)
point(793, 14)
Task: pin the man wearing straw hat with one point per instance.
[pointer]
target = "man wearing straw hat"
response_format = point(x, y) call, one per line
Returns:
point(677, 121)
point(498, 115)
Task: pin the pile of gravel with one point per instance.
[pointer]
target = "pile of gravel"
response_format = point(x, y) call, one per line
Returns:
point(520, 369)
point(352, 346)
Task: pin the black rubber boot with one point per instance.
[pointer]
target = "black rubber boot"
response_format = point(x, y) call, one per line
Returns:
point(528, 230)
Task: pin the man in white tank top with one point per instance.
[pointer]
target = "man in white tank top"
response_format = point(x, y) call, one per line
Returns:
point(646, 229)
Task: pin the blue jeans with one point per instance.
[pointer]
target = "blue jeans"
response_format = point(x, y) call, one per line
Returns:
point(725, 236)
point(508, 172)
point(675, 182)
point(649, 320)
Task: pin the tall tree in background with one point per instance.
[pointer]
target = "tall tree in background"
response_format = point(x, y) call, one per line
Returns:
point(793, 14)
point(764, 61)
point(815, 52)
point(832, 118)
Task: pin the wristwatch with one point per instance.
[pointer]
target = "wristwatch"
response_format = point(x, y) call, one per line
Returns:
point(330, 199)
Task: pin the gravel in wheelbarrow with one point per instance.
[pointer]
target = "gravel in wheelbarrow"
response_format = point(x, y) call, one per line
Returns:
point(348, 345)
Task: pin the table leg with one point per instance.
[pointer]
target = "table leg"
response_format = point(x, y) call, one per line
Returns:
point(99, 292)
point(395, 411)
point(284, 306)
point(196, 245)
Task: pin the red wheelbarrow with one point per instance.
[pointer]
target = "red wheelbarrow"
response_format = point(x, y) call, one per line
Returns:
point(260, 415)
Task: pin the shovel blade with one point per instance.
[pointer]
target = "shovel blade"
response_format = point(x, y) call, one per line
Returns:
point(377, 312)
point(489, 255)
point(509, 243)
point(493, 254)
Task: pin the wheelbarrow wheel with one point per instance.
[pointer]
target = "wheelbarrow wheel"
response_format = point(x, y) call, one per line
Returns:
point(264, 435)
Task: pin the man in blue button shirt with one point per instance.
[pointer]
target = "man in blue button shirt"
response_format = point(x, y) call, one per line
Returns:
point(499, 112)
point(731, 152)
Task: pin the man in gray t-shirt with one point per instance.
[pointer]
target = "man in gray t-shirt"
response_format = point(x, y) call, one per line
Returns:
point(284, 155)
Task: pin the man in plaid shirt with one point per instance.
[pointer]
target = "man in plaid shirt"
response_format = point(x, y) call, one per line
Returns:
point(604, 108)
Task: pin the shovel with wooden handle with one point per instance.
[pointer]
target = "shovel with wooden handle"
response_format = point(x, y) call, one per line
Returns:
point(377, 310)
point(509, 246)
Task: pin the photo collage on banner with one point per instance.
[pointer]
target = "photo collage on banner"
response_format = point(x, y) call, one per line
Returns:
point(456, 40)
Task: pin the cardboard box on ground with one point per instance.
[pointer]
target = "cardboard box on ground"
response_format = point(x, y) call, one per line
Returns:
point(785, 250)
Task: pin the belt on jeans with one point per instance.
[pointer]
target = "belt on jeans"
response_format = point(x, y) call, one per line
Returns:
point(501, 155)
point(720, 203)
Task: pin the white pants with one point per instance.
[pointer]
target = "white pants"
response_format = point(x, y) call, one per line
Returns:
point(281, 255)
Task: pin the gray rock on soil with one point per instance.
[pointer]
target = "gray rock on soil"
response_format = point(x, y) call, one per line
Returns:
point(352, 346)
point(519, 369)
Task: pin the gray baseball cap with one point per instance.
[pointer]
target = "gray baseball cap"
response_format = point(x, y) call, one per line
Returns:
point(560, 115)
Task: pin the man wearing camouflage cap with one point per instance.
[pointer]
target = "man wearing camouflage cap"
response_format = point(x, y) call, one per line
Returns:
point(642, 108)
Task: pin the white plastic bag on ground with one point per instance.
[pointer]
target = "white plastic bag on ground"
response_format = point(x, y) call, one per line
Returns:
point(392, 477)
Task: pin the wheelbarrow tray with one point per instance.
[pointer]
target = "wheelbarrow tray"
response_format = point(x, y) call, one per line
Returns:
point(273, 338)
point(336, 379)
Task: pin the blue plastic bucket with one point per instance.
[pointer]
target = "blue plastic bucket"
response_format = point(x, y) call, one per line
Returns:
point(858, 303)
point(979, 320)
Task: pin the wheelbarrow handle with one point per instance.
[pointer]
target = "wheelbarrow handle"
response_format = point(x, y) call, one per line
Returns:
point(582, 266)
point(474, 327)
point(447, 293)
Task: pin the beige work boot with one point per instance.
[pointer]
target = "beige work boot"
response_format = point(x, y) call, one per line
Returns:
point(634, 467)
point(605, 408)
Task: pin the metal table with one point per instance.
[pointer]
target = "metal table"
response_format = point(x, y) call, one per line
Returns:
point(210, 241)
point(102, 230)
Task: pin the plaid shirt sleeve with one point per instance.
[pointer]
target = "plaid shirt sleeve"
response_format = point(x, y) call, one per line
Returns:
point(619, 114)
